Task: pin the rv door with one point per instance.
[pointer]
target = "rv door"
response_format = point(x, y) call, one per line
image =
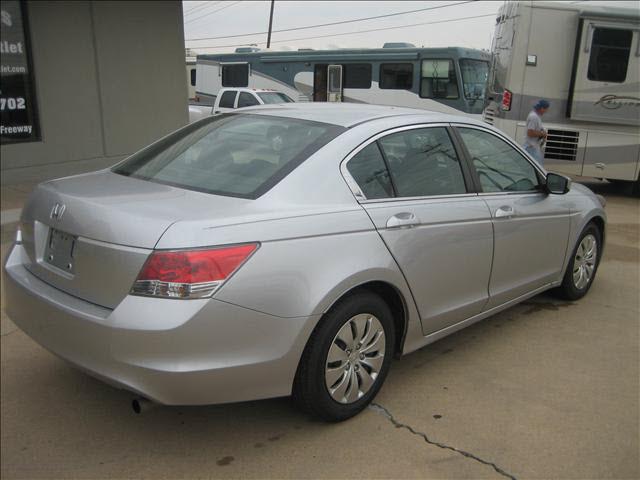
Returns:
point(334, 83)
point(606, 73)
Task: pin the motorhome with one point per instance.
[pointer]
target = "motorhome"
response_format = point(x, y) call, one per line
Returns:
point(584, 61)
point(450, 80)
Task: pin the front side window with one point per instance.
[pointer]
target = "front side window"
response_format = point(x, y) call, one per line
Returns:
point(501, 167)
point(609, 56)
point(274, 97)
point(475, 74)
point(438, 79)
point(423, 162)
point(247, 100)
point(370, 173)
point(234, 155)
point(235, 75)
point(396, 76)
point(228, 99)
point(357, 75)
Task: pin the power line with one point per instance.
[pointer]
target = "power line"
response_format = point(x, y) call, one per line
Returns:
point(210, 13)
point(199, 7)
point(354, 33)
point(334, 23)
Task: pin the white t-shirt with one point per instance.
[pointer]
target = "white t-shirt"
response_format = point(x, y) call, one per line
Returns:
point(534, 122)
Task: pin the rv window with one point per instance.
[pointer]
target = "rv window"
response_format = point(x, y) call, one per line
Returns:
point(475, 74)
point(193, 77)
point(247, 100)
point(439, 79)
point(609, 55)
point(397, 76)
point(227, 99)
point(236, 75)
point(357, 75)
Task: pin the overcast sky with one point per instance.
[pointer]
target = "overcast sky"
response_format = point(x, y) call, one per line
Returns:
point(226, 18)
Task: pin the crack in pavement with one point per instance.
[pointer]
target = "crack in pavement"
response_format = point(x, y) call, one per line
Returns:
point(387, 414)
point(9, 333)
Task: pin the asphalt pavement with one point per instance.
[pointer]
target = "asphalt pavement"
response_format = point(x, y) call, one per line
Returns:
point(546, 389)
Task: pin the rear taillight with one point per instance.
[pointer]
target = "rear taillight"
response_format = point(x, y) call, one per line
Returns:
point(506, 100)
point(189, 273)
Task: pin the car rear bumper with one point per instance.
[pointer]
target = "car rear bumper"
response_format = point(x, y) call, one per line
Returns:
point(174, 352)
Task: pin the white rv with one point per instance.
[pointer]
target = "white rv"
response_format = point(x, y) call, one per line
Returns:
point(584, 60)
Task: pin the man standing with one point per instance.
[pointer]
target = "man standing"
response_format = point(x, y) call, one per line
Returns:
point(536, 134)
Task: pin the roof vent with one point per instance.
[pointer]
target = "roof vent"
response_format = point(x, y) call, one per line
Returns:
point(247, 49)
point(398, 45)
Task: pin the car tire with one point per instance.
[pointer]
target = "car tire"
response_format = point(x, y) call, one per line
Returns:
point(575, 283)
point(346, 346)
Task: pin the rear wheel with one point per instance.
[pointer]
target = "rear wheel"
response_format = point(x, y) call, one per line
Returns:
point(346, 359)
point(583, 265)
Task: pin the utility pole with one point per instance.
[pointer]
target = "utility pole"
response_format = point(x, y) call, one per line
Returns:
point(270, 24)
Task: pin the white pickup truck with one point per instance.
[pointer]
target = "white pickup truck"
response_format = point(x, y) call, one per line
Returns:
point(229, 99)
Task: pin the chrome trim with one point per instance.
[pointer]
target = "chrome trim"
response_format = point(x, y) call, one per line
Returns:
point(418, 199)
point(352, 184)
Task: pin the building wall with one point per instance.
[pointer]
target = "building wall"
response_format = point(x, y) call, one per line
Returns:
point(109, 80)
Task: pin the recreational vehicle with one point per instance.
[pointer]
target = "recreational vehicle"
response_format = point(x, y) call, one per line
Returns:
point(584, 61)
point(450, 80)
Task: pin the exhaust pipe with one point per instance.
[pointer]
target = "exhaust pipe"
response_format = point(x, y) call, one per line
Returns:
point(141, 405)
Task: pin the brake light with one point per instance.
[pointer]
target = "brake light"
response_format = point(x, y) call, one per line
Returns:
point(506, 100)
point(189, 273)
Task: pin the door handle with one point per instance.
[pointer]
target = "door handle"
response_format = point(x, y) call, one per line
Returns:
point(403, 220)
point(504, 212)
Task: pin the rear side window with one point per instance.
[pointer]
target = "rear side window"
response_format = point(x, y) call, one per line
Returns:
point(500, 167)
point(227, 100)
point(247, 100)
point(398, 76)
point(439, 79)
point(370, 173)
point(357, 75)
point(423, 162)
point(239, 155)
point(609, 56)
point(235, 75)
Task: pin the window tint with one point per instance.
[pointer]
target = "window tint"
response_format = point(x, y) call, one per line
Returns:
point(500, 167)
point(193, 77)
point(236, 155)
point(397, 76)
point(274, 97)
point(423, 162)
point(609, 55)
point(228, 98)
point(370, 173)
point(247, 100)
point(438, 79)
point(235, 75)
point(475, 74)
point(357, 75)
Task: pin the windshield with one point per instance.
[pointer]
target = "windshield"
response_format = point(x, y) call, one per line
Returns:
point(234, 155)
point(274, 97)
point(474, 77)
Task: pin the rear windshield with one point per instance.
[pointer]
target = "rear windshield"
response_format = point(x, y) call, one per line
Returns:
point(238, 155)
point(274, 97)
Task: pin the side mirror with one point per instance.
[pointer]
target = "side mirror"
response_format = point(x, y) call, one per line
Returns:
point(557, 184)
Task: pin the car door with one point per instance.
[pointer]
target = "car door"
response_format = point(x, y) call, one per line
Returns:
point(417, 191)
point(531, 227)
point(227, 101)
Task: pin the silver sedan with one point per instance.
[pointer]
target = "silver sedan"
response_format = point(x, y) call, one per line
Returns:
point(293, 250)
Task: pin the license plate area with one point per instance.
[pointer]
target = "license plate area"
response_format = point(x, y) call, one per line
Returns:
point(60, 249)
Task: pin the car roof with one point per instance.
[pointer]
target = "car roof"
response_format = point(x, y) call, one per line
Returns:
point(351, 114)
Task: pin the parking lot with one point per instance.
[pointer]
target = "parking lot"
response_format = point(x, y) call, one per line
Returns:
point(546, 389)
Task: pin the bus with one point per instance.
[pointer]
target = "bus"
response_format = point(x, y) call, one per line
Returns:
point(450, 80)
point(584, 60)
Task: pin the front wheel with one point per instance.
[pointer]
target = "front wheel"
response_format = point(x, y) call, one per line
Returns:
point(346, 359)
point(583, 265)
